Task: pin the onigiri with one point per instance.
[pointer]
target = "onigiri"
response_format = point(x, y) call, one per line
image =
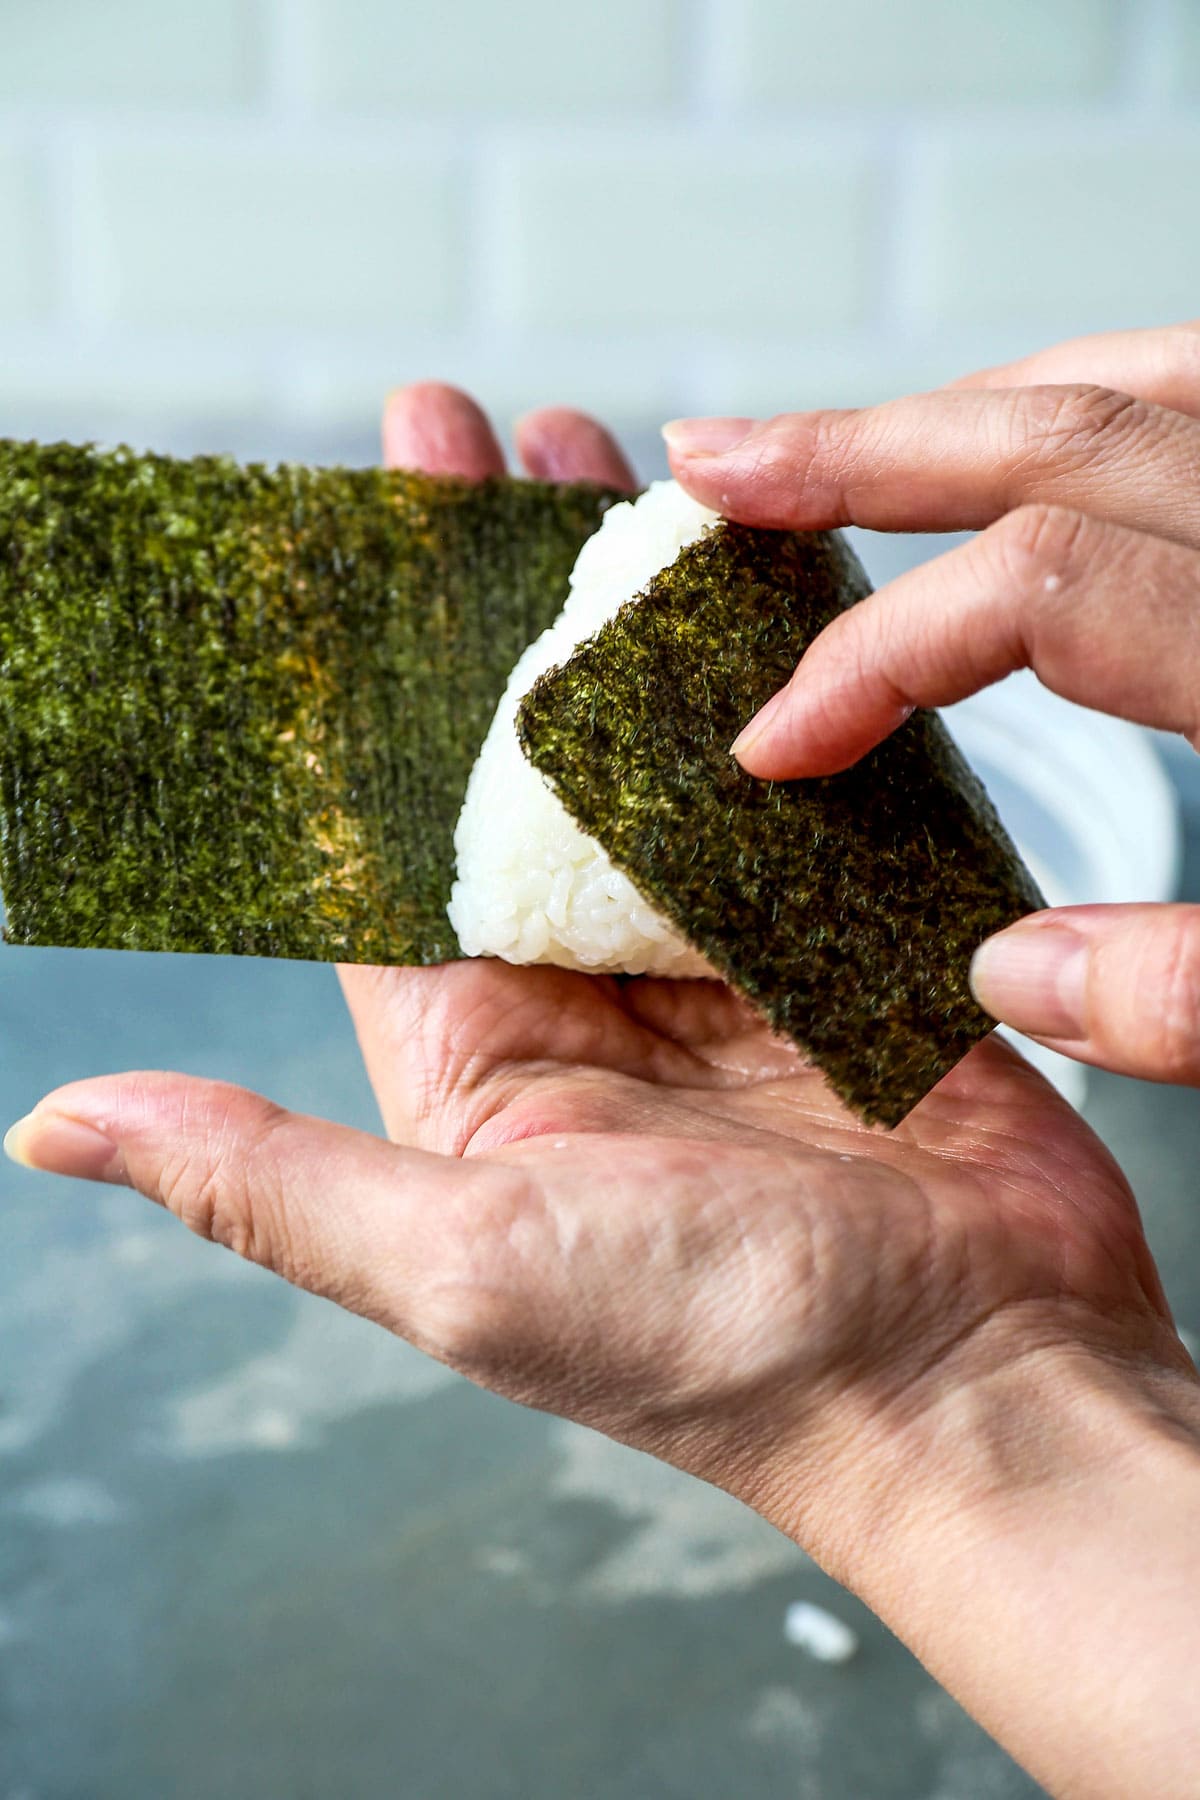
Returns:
point(531, 886)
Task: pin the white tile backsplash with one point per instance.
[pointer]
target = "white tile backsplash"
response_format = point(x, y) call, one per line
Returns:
point(248, 218)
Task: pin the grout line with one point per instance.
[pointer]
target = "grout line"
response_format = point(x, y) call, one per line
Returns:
point(903, 143)
point(287, 28)
point(711, 50)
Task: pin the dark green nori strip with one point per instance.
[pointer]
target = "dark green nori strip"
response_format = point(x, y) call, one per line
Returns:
point(239, 706)
point(845, 908)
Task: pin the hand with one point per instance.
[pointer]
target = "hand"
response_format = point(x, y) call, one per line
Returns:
point(1081, 467)
point(627, 1203)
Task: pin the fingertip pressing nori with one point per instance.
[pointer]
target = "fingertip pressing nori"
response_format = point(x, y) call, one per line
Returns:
point(845, 908)
point(239, 705)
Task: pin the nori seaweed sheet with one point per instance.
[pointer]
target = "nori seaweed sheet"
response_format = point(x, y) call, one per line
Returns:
point(239, 706)
point(846, 908)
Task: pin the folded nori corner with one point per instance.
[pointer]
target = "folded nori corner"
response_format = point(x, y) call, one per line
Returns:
point(845, 908)
point(239, 706)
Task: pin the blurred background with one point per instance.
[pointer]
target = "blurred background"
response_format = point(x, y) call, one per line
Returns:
point(235, 223)
point(248, 1544)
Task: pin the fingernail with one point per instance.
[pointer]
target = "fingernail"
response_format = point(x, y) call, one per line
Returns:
point(705, 437)
point(759, 725)
point(62, 1146)
point(1034, 977)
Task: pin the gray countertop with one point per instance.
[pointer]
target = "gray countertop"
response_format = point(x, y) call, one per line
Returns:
point(250, 1545)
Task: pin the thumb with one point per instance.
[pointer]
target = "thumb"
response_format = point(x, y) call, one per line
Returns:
point(1114, 985)
point(386, 1231)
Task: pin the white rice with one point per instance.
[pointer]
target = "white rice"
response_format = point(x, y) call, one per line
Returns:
point(532, 887)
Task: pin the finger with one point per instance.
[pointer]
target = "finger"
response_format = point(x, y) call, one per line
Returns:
point(954, 460)
point(335, 1211)
point(1114, 985)
point(1158, 363)
point(557, 444)
point(1044, 588)
point(439, 430)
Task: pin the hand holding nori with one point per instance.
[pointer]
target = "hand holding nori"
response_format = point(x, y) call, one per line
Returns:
point(846, 908)
point(239, 708)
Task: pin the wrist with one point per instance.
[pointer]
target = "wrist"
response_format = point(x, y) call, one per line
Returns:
point(1030, 1530)
point(1028, 1408)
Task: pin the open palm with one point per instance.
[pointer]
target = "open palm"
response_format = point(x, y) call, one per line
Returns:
point(702, 1233)
point(681, 1233)
point(625, 1201)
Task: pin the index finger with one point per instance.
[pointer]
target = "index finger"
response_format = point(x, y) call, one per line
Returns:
point(956, 459)
point(1044, 588)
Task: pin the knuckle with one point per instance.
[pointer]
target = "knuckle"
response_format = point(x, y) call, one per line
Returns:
point(806, 449)
point(226, 1189)
point(472, 1328)
point(184, 1191)
point(878, 650)
point(1040, 542)
point(476, 1311)
point(1068, 428)
point(789, 448)
point(1179, 1019)
point(1084, 423)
